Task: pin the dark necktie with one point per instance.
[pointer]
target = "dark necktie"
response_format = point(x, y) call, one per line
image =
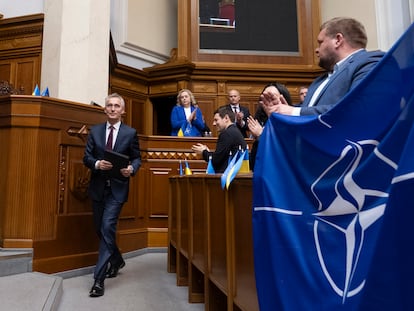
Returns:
point(110, 138)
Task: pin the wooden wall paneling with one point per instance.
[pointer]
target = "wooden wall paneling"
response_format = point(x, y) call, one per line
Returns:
point(205, 92)
point(244, 294)
point(44, 181)
point(217, 284)
point(211, 81)
point(164, 88)
point(6, 72)
point(173, 219)
point(21, 51)
point(220, 249)
point(5, 138)
point(230, 211)
point(22, 73)
point(138, 116)
point(27, 74)
point(158, 183)
point(30, 149)
point(129, 240)
point(183, 237)
point(208, 105)
point(73, 182)
point(197, 240)
point(135, 109)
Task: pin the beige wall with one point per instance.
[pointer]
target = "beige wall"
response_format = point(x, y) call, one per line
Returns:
point(151, 24)
point(152, 20)
point(364, 11)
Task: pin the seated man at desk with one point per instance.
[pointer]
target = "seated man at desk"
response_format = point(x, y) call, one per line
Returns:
point(230, 140)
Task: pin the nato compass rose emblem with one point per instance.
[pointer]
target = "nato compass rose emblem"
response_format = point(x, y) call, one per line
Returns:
point(347, 212)
point(187, 131)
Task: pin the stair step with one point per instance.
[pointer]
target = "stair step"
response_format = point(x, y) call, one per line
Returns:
point(14, 261)
point(31, 291)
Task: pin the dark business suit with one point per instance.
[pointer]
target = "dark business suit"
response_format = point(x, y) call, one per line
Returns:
point(229, 140)
point(246, 114)
point(109, 194)
point(348, 75)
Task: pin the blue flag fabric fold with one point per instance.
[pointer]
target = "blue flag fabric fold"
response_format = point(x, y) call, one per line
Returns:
point(45, 92)
point(234, 167)
point(332, 201)
point(187, 170)
point(181, 171)
point(210, 168)
point(36, 91)
point(232, 161)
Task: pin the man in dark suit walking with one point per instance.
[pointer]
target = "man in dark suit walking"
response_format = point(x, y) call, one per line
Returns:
point(108, 189)
point(241, 113)
point(341, 51)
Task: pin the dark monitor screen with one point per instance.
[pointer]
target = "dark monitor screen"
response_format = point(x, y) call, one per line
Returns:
point(259, 25)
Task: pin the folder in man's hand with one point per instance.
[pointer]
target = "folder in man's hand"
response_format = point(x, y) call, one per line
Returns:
point(118, 161)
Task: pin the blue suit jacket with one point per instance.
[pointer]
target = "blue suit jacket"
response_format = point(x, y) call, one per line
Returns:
point(127, 144)
point(341, 82)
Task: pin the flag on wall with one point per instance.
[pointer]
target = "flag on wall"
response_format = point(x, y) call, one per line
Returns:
point(333, 198)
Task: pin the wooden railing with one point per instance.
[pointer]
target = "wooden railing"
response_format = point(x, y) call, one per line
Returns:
point(43, 184)
point(210, 241)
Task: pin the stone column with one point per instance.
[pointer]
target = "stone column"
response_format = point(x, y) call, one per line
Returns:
point(75, 60)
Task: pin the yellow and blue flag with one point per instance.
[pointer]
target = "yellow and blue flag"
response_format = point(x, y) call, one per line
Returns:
point(245, 167)
point(187, 170)
point(232, 169)
point(36, 91)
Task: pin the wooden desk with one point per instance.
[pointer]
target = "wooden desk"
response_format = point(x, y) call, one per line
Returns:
point(210, 235)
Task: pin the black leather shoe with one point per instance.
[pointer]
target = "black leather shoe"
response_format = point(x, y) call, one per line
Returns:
point(97, 289)
point(113, 270)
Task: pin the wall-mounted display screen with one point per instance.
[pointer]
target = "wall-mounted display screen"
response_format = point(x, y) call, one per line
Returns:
point(236, 26)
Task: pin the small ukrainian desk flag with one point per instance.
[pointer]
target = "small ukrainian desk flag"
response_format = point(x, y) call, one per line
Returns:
point(36, 91)
point(245, 167)
point(181, 168)
point(187, 169)
point(210, 168)
point(45, 92)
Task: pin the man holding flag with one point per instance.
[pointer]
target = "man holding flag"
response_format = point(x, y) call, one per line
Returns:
point(230, 140)
point(341, 52)
point(332, 222)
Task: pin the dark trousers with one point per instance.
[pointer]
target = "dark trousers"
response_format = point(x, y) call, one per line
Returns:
point(105, 216)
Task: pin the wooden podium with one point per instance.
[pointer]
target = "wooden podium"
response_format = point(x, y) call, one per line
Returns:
point(210, 241)
point(43, 183)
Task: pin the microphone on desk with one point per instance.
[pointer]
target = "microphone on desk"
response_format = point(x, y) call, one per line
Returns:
point(95, 104)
